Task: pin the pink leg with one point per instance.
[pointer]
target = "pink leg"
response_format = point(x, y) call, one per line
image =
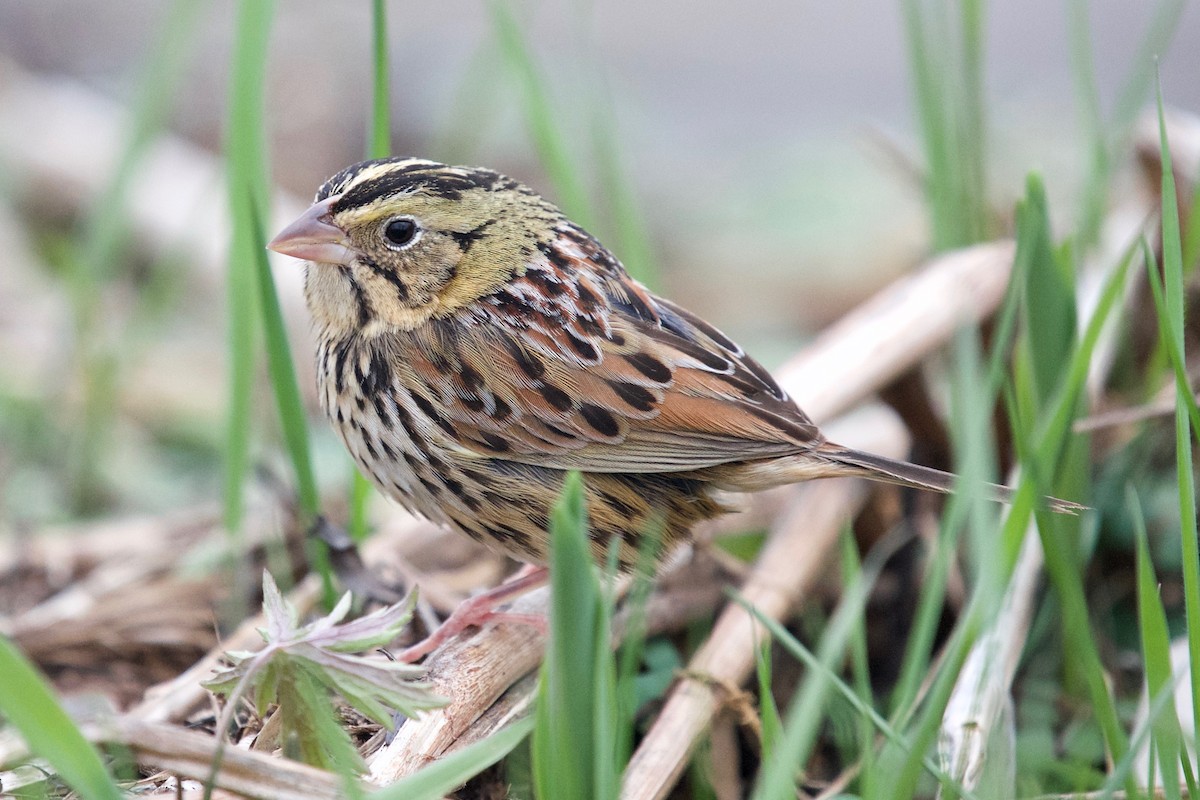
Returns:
point(480, 609)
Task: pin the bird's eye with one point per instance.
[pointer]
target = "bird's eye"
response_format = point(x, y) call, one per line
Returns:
point(401, 232)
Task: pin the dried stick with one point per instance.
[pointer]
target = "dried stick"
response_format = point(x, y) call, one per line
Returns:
point(191, 753)
point(792, 560)
point(977, 726)
point(897, 328)
point(473, 670)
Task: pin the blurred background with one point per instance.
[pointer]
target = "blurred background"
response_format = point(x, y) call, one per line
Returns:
point(770, 154)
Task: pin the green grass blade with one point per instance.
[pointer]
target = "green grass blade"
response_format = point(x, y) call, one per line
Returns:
point(772, 722)
point(288, 399)
point(292, 418)
point(905, 765)
point(1191, 243)
point(607, 739)
point(1039, 464)
point(448, 772)
point(947, 69)
point(1051, 437)
point(565, 738)
point(1185, 410)
point(29, 704)
point(242, 365)
point(971, 421)
point(1172, 344)
point(926, 72)
point(860, 670)
point(1189, 774)
point(926, 619)
point(1122, 771)
point(1049, 294)
point(803, 720)
point(813, 662)
point(1156, 654)
point(633, 644)
point(972, 123)
point(246, 167)
point(548, 138)
point(776, 778)
point(992, 564)
point(380, 144)
point(1061, 560)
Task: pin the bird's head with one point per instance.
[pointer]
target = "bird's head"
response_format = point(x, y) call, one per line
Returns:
point(395, 242)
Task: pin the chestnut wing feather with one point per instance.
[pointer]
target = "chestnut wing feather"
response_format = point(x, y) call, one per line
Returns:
point(601, 376)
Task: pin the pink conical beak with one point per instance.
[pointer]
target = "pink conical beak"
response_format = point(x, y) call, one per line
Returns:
point(314, 237)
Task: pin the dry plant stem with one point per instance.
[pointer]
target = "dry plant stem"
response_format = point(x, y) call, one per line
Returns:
point(666, 611)
point(191, 753)
point(115, 555)
point(514, 704)
point(976, 711)
point(790, 563)
point(725, 763)
point(473, 670)
point(897, 328)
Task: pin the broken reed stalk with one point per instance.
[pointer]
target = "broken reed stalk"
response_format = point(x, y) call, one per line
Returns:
point(792, 560)
point(191, 753)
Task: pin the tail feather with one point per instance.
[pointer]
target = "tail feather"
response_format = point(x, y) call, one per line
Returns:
point(905, 474)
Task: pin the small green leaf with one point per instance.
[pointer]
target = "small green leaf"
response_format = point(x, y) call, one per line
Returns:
point(303, 665)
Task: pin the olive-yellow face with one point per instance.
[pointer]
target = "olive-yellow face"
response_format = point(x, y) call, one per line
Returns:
point(396, 242)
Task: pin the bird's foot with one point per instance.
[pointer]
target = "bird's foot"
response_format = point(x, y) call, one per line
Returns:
point(480, 609)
